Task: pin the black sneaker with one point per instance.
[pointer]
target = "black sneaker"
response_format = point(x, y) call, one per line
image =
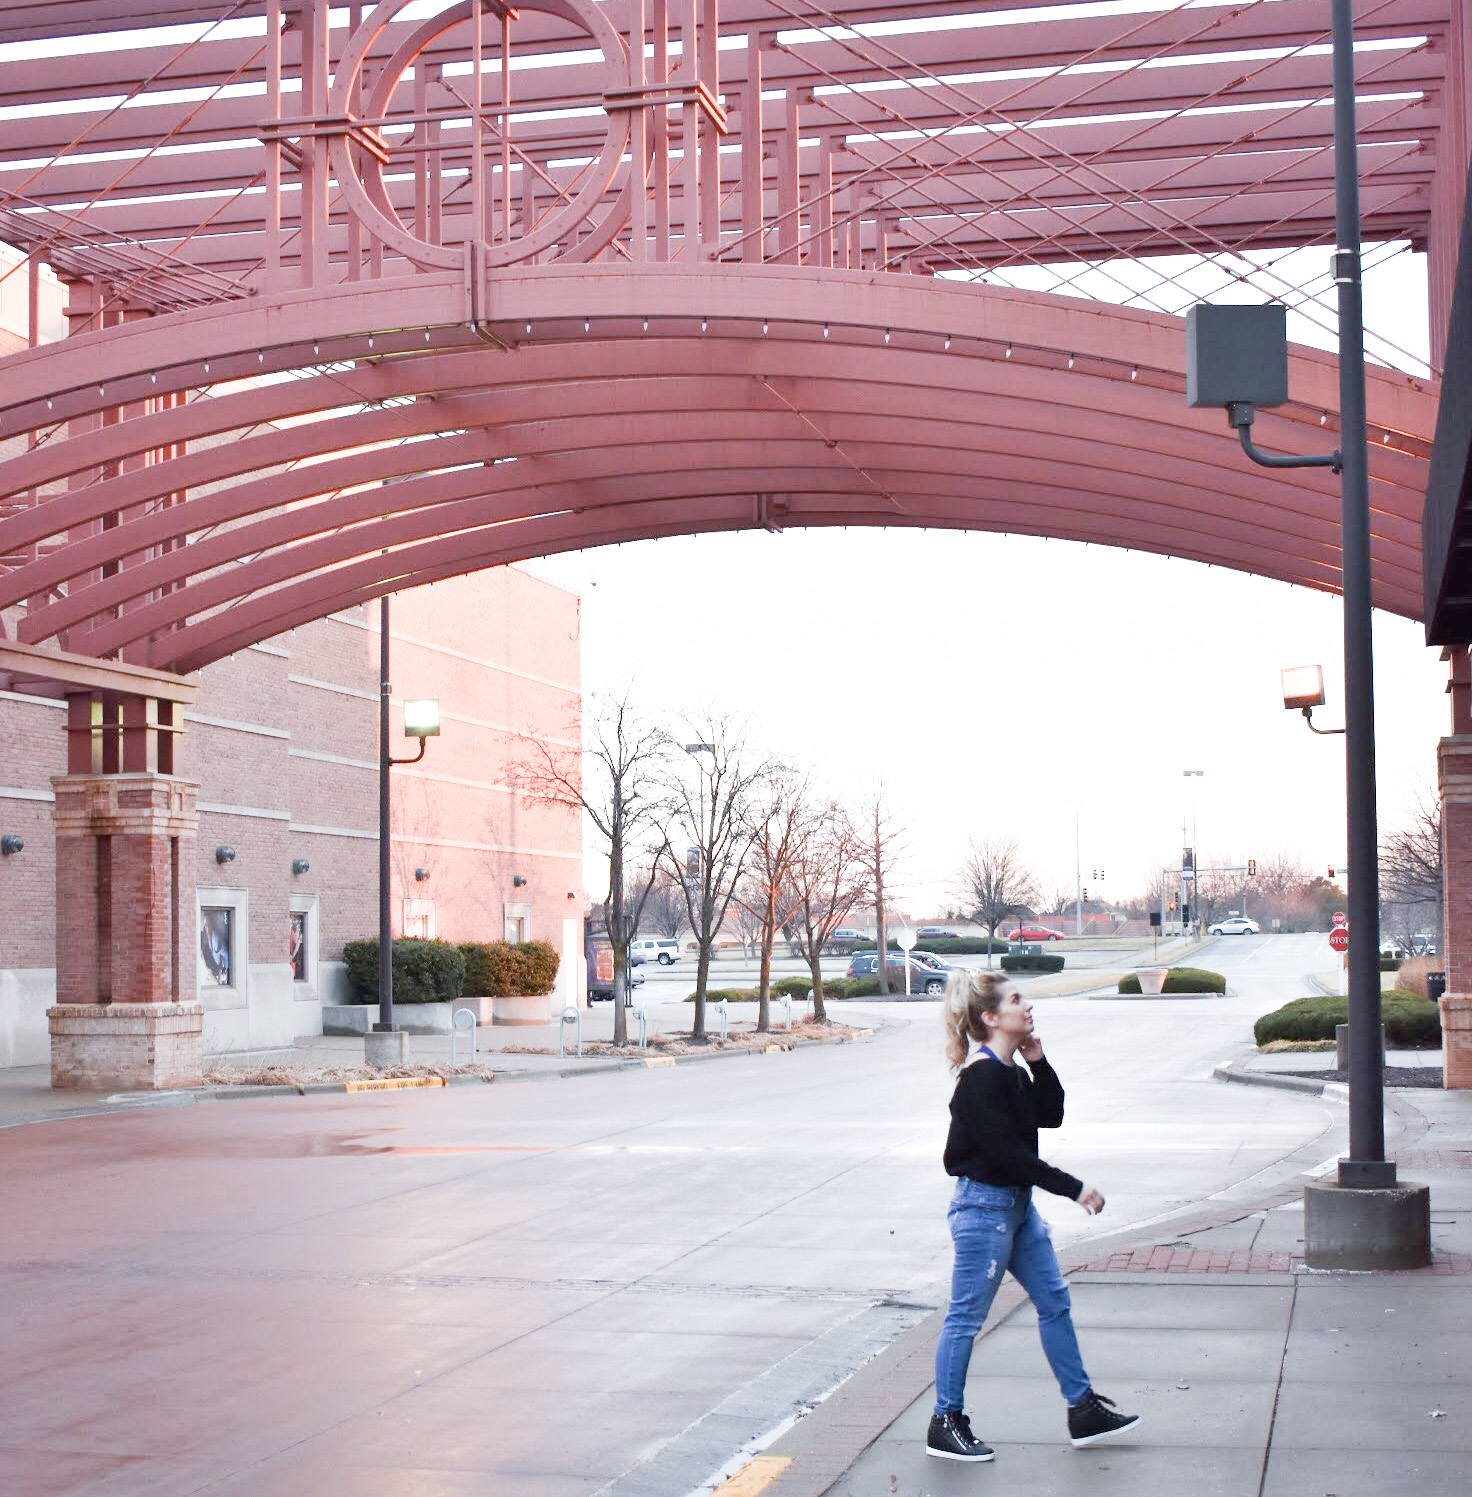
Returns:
point(951, 1439)
point(1097, 1419)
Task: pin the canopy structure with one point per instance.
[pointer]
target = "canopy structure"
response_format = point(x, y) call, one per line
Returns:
point(361, 298)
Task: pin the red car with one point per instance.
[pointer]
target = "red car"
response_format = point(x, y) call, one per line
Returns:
point(1035, 933)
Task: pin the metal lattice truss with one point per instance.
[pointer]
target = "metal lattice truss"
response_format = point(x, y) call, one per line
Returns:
point(637, 268)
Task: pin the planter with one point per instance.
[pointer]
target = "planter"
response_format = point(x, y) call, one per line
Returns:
point(520, 1010)
point(412, 1018)
point(1152, 980)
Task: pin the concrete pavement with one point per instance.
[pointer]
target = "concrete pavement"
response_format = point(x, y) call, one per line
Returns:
point(1255, 1376)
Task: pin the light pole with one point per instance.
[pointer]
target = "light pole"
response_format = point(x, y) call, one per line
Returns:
point(1374, 1223)
point(1194, 774)
point(384, 1044)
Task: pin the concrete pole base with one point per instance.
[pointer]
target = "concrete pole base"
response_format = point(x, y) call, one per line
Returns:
point(1366, 1228)
point(386, 1048)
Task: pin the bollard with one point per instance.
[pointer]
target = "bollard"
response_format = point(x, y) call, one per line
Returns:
point(461, 1021)
point(787, 1009)
point(721, 1004)
point(640, 1015)
point(570, 1015)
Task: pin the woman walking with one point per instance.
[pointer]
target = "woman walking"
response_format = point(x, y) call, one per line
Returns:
point(992, 1150)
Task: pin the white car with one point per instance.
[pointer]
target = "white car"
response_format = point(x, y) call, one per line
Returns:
point(655, 950)
point(1237, 925)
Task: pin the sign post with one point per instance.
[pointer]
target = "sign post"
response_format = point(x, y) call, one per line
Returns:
point(905, 940)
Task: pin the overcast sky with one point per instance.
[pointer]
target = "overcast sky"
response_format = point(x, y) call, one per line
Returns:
point(1028, 684)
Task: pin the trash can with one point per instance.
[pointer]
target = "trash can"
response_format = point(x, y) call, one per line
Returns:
point(1435, 984)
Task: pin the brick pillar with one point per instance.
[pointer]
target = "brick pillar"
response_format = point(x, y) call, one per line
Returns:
point(126, 1014)
point(1454, 768)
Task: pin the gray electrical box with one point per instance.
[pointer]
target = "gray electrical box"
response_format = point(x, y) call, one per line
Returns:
point(1236, 353)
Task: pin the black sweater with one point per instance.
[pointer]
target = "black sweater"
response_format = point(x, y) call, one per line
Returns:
point(996, 1111)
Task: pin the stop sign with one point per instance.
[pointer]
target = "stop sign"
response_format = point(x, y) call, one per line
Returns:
point(1340, 918)
point(1339, 938)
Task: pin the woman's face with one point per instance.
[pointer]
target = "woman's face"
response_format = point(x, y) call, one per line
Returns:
point(1012, 1016)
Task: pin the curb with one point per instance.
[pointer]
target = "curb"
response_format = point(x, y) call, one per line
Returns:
point(1232, 1070)
point(187, 1097)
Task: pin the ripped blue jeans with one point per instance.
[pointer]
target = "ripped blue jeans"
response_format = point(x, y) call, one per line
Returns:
point(996, 1229)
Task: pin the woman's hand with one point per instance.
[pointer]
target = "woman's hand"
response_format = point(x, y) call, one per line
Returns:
point(1031, 1049)
point(1091, 1200)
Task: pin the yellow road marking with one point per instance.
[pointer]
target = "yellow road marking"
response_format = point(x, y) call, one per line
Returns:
point(755, 1476)
point(393, 1083)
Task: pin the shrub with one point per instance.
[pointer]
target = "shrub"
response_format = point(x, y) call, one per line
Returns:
point(1411, 1022)
point(424, 971)
point(503, 969)
point(796, 986)
point(1411, 974)
point(1044, 961)
point(1389, 963)
point(1180, 980)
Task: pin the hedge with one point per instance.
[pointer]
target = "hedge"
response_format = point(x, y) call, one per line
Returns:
point(1043, 962)
point(1181, 980)
point(424, 971)
point(964, 945)
point(505, 969)
point(1411, 1022)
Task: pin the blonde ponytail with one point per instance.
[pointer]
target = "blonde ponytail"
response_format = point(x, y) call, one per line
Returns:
point(969, 995)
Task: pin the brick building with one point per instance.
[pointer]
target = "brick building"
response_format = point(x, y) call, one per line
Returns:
point(283, 742)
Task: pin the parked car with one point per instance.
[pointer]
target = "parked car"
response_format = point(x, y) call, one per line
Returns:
point(927, 973)
point(934, 933)
point(842, 942)
point(655, 949)
point(1234, 925)
point(1423, 943)
point(1035, 933)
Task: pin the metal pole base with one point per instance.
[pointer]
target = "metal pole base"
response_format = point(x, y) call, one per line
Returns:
point(1366, 1228)
point(385, 1047)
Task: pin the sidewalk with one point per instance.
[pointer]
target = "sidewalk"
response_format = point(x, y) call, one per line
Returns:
point(1255, 1376)
point(512, 1052)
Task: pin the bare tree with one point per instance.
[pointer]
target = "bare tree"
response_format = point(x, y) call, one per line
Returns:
point(664, 911)
point(995, 884)
point(708, 831)
point(1411, 871)
point(883, 850)
point(829, 879)
point(621, 796)
point(767, 896)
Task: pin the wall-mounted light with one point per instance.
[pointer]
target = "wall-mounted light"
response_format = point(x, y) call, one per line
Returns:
point(300, 865)
point(420, 874)
point(517, 881)
point(224, 853)
point(12, 842)
point(571, 895)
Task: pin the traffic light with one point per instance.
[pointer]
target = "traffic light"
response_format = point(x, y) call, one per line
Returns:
point(1251, 867)
point(1086, 896)
point(1172, 901)
point(1186, 912)
point(1331, 870)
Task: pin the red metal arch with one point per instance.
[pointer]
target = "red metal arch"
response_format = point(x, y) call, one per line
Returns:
point(811, 399)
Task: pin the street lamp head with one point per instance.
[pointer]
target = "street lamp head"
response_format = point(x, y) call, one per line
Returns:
point(1198, 773)
point(1303, 687)
point(700, 748)
point(422, 719)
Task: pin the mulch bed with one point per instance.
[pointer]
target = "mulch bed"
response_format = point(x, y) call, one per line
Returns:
point(1427, 1076)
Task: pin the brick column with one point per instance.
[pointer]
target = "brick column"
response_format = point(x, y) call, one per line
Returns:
point(126, 1014)
point(1454, 768)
